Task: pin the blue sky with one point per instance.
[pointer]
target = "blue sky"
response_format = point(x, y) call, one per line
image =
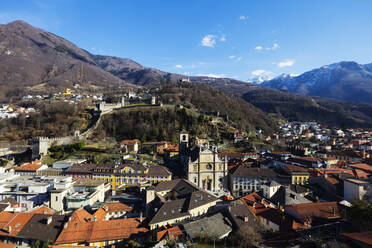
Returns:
point(238, 39)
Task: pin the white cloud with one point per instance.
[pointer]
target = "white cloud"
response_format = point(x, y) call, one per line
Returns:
point(258, 72)
point(258, 48)
point(209, 40)
point(212, 75)
point(243, 17)
point(286, 63)
point(232, 57)
point(239, 58)
point(179, 66)
point(274, 47)
point(223, 38)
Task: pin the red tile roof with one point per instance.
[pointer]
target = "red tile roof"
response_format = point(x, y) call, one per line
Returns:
point(117, 207)
point(133, 141)
point(13, 226)
point(363, 237)
point(364, 167)
point(327, 210)
point(7, 245)
point(172, 232)
point(256, 203)
point(28, 167)
point(96, 231)
point(80, 216)
point(100, 214)
point(42, 210)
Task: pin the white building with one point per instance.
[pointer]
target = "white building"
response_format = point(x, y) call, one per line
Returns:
point(355, 189)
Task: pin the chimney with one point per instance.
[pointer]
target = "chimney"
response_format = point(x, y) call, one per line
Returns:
point(49, 220)
point(9, 229)
point(141, 217)
point(65, 225)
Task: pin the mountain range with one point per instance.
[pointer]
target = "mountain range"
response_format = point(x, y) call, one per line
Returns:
point(346, 80)
point(33, 60)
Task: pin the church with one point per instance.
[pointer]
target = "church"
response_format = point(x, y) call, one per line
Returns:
point(202, 164)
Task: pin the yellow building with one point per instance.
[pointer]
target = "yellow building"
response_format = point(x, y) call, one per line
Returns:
point(131, 174)
point(68, 92)
point(298, 174)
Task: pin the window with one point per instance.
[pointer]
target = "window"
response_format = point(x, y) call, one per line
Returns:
point(56, 198)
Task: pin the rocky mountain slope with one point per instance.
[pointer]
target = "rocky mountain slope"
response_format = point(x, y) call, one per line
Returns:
point(348, 81)
point(31, 58)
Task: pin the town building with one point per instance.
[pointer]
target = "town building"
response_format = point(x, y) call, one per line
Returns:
point(244, 180)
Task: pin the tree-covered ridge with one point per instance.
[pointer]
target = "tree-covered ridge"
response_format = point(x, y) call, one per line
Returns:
point(204, 98)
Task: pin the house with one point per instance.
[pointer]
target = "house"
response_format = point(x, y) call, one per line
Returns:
point(30, 168)
point(127, 146)
point(286, 195)
point(217, 226)
point(172, 151)
point(82, 230)
point(244, 180)
point(157, 147)
point(312, 214)
point(355, 189)
point(29, 191)
point(116, 209)
point(11, 225)
point(173, 201)
point(306, 162)
point(258, 205)
point(299, 175)
point(44, 228)
point(81, 193)
point(169, 233)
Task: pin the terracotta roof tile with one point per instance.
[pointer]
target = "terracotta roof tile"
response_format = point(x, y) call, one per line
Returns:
point(256, 203)
point(100, 214)
point(116, 207)
point(133, 141)
point(364, 167)
point(363, 237)
point(42, 210)
point(15, 224)
point(326, 210)
point(28, 167)
point(80, 216)
point(7, 245)
point(96, 231)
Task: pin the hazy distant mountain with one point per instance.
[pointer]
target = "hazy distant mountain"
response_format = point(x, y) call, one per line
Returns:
point(348, 81)
point(31, 57)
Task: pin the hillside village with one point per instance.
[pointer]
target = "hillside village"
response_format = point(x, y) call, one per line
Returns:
point(102, 151)
point(197, 192)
